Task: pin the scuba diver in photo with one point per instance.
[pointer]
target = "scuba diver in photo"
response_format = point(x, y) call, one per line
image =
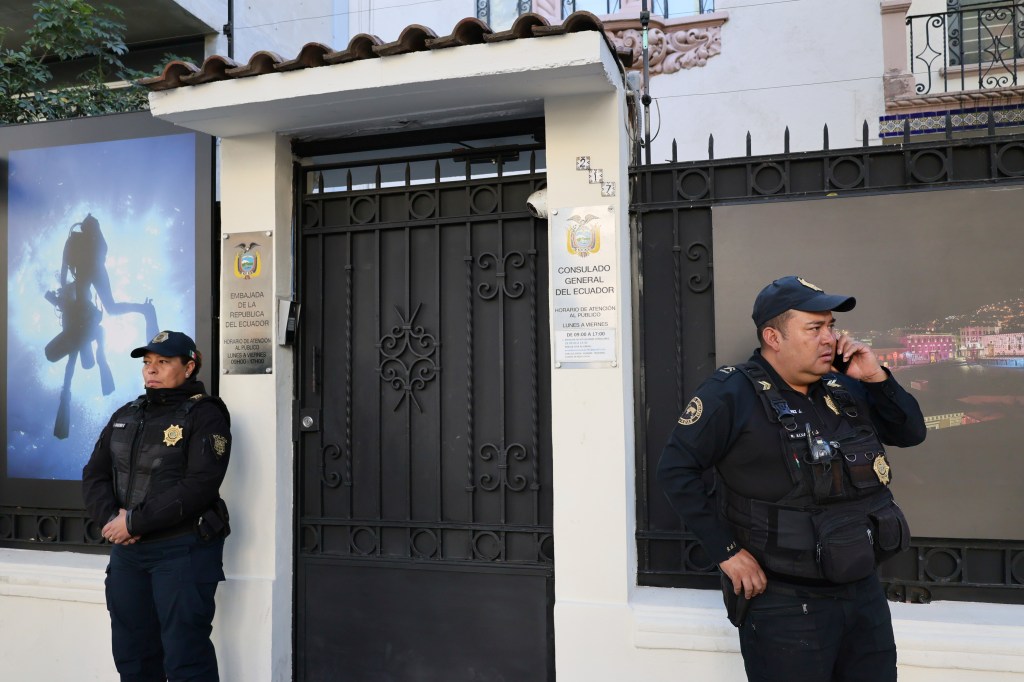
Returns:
point(83, 271)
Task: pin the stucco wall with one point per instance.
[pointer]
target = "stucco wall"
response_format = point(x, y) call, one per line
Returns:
point(801, 64)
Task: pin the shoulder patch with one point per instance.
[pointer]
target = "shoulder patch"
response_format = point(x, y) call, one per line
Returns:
point(694, 409)
point(725, 372)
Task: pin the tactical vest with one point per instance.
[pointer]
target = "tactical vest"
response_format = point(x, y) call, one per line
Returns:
point(839, 519)
point(150, 455)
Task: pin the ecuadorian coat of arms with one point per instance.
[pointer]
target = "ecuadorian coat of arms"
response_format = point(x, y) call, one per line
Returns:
point(583, 235)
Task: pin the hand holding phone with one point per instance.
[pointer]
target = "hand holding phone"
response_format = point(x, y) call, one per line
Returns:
point(840, 364)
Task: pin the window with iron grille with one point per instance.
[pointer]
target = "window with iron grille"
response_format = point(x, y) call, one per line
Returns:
point(984, 32)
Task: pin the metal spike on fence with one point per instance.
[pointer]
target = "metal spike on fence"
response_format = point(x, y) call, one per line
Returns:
point(748, 144)
point(675, 151)
point(348, 179)
point(991, 122)
point(906, 130)
point(785, 141)
point(865, 132)
point(825, 140)
point(949, 125)
point(376, 178)
point(408, 173)
point(711, 147)
point(437, 171)
point(320, 182)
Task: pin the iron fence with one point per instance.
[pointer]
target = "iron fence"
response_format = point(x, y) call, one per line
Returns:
point(975, 46)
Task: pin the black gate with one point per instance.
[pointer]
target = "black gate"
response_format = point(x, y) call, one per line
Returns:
point(424, 546)
point(672, 235)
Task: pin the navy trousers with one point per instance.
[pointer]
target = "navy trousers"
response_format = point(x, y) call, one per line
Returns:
point(844, 635)
point(161, 601)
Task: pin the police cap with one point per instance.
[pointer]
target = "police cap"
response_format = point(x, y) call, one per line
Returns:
point(170, 345)
point(796, 293)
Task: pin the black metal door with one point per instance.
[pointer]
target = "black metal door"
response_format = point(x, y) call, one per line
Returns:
point(424, 498)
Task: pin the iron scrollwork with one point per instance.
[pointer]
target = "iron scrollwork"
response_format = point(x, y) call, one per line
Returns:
point(333, 479)
point(407, 358)
point(512, 260)
point(695, 252)
point(515, 451)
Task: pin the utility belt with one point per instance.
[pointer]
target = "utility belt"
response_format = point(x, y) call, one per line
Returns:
point(840, 543)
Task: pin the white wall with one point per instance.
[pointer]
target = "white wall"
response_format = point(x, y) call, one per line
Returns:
point(802, 64)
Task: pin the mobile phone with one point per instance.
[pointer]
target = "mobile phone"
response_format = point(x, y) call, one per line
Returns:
point(840, 364)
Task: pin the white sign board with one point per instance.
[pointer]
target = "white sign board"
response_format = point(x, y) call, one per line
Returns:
point(584, 273)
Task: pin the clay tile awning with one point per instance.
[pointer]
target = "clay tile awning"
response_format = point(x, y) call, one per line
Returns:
point(413, 38)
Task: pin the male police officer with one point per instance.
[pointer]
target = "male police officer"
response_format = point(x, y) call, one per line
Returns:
point(802, 511)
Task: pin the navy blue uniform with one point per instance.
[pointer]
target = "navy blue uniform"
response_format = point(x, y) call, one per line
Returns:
point(804, 623)
point(163, 458)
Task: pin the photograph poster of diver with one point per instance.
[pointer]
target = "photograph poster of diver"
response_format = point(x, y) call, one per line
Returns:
point(100, 256)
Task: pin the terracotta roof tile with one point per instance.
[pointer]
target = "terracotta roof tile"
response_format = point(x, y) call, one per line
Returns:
point(414, 38)
point(311, 55)
point(522, 27)
point(469, 31)
point(214, 68)
point(360, 47)
point(171, 76)
point(259, 63)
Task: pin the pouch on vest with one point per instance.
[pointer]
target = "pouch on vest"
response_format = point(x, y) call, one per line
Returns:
point(846, 547)
point(859, 448)
point(892, 532)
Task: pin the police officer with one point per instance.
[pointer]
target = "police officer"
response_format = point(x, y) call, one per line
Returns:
point(152, 485)
point(801, 511)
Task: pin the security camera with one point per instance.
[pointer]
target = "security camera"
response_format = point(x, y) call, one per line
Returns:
point(537, 203)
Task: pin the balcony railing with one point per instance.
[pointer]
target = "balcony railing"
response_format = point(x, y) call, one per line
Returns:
point(974, 48)
point(669, 9)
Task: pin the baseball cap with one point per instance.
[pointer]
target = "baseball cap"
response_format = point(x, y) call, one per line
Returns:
point(170, 345)
point(796, 293)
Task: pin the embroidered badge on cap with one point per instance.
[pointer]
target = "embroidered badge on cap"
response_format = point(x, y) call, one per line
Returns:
point(808, 284)
point(220, 444)
point(692, 413)
point(172, 434)
point(160, 338)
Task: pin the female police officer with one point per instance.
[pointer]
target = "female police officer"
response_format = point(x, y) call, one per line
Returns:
point(152, 485)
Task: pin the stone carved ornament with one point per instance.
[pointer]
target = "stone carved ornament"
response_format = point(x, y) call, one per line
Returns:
point(673, 50)
point(673, 44)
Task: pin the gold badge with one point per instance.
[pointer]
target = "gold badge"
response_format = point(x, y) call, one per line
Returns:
point(197, 396)
point(765, 386)
point(832, 383)
point(809, 285)
point(727, 370)
point(172, 434)
point(882, 469)
point(831, 404)
point(220, 444)
point(692, 412)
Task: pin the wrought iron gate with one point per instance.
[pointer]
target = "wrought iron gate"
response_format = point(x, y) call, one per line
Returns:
point(424, 499)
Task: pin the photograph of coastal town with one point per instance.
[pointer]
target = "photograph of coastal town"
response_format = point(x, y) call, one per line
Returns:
point(940, 299)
